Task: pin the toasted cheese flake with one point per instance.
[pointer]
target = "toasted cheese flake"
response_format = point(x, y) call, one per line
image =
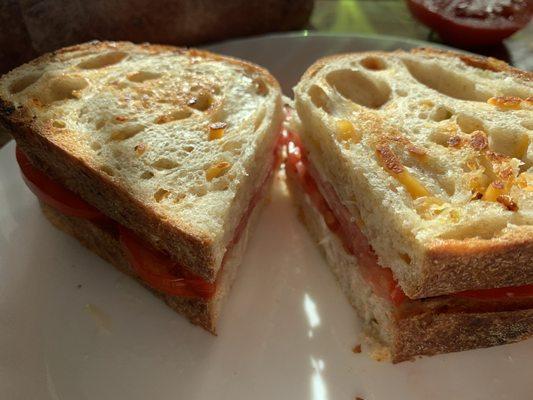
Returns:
point(413, 186)
point(455, 216)
point(216, 130)
point(260, 86)
point(495, 189)
point(507, 202)
point(429, 207)
point(346, 132)
point(498, 191)
point(479, 140)
point(507, 102)
point(454, 141)
point(472, 164)
point(393, 165)
point(521, 149)
point(217, 170)
point(59, 124)
point(478, 185)
point(416, 151)
point(163, 119)
point(522, 181)
point(389, 159)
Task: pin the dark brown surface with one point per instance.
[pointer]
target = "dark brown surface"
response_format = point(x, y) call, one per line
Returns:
point(34, 27)
point(434, 333)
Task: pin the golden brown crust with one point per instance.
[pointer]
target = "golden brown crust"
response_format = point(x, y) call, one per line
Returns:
point(150, 48)
point(476, 61)
point(193, 249)
point(454, 265)
point(105, 243)
point(436, 333)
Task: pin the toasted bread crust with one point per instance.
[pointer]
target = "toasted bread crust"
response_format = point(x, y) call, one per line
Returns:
point(455, 265)
point(435, 333)
point(486, 63)
point(179, 239)
point(476, 61)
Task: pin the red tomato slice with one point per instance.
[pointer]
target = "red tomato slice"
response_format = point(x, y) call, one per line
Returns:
point(339, 221)
point(160, 272)
point(52, 193)
point(255, 199)
point(473, 23)
point(498, 293)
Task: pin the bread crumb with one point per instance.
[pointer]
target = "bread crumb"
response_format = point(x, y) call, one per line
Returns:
point(357, 349)
point(506, 173)
point(381, 353)
point(102, 320)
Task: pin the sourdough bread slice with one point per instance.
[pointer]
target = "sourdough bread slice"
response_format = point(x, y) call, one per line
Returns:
point(434, 151)
point(418, 327)
point(168, 142)
point(103, 240)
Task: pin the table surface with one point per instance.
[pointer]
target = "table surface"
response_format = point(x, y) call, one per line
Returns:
point(391, 17)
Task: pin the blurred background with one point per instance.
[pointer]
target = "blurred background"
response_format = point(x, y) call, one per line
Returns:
point(498, 28)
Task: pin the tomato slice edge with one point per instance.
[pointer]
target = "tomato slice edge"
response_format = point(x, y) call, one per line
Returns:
point(159, 271)
point(52, 193)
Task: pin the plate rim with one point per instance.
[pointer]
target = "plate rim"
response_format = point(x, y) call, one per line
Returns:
point(306, 33)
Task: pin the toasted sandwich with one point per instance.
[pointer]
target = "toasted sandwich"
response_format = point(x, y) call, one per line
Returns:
point(154, 157)
point(414, 173)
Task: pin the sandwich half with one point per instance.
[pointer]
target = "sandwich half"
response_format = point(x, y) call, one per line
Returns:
point(413, 172)
point(156, 158)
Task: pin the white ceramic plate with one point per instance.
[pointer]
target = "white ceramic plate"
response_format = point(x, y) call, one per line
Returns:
point(286, 333)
